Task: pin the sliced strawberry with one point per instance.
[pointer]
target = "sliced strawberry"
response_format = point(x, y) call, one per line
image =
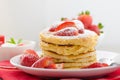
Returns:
point(28, 57)
point(52, 29)
point(81, 31)
point(97, 65)
point(55, 66)
point(2, 39)
point(52, 66)
point(43, 62)
point(65, 24)
point(85, 18)
point(67, 32)
point(30, 51)
point(94, 28)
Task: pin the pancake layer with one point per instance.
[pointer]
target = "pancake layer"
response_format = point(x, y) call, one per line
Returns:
point(66, 49)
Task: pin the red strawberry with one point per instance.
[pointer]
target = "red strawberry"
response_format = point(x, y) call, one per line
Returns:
point(30, 51)
point(28, 57)
point(65, 24)
point(67, 32)
point(85, 18)
point(2, 39)
point(94, 28)
point(81, 31)
point(43, 62)
point(52, 29)
point(97, 65)
point(55, 66)
point(52, 66)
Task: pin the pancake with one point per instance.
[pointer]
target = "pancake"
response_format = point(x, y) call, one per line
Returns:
point(88, 39)
point(72, 61)
point(65, 57)
point(77, 65)
point(91, 58)
point(66, 49)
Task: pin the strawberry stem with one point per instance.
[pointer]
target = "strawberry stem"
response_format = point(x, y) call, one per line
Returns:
point(101, 32)
point(100, 26)
point(81, 13)
point(12, 41)
point(62, 19)
point(87, 12)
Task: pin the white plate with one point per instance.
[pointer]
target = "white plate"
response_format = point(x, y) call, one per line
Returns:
point(68, 72)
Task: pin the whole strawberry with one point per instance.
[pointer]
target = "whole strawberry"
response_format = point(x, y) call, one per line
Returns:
point(28, 57)
point(85, 18)
point(96, 28)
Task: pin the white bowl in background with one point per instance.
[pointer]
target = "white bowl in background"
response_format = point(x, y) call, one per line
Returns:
point(7, 52)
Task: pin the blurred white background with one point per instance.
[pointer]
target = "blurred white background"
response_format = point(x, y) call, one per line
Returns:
point(26, 18)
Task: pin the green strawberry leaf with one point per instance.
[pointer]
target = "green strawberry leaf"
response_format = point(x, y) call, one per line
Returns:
point(84, 12)
point(63, 18)
point(101, 32)
point(19, 41)
point(87, 12)
point(100, 26)
point(12, 41)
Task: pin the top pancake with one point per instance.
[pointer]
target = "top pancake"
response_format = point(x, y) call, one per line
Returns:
point(86, 39)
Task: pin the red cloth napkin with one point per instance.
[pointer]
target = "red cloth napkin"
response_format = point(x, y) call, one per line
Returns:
point(16, 74)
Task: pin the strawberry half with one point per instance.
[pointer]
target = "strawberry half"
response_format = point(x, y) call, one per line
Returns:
point(97, 65)
point(55, 66)
point(28, 57)
point(52, 29)
point(30, 51)
point(67, 32)
point(64, 25)
point(43, 62)
point(52, 66)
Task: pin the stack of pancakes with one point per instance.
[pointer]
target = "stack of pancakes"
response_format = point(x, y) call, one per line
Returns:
point(72, 51)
